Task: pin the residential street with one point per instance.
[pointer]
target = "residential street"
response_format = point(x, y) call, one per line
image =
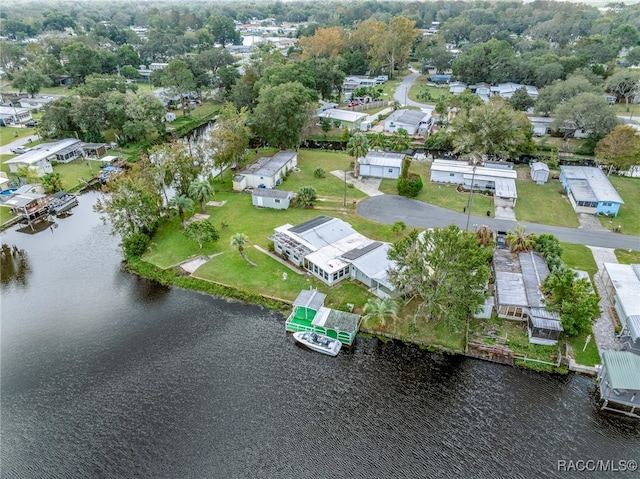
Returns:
point(388, 209)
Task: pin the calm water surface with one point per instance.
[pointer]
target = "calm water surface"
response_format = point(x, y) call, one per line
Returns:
point(105, 375)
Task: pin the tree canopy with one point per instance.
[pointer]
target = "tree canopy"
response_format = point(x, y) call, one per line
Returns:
point(446, 269)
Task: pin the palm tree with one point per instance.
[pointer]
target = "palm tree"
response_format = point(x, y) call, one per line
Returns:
point(181, 203)
point(379, 309)
point(358, 147)
point(201, 191)
point(239, 241)
point(400, 140)
point(378, 141)
point(519, 241)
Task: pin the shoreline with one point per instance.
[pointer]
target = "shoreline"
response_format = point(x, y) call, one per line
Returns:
point(171, 277)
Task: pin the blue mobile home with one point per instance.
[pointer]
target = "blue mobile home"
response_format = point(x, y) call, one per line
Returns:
point(590, 191)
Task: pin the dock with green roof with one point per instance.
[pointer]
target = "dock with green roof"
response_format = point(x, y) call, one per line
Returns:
point(310, 314)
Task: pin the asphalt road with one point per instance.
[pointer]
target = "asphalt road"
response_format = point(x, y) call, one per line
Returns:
point(387, 209)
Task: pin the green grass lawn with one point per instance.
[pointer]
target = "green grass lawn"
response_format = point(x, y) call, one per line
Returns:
point(577, 256)
point(628, 257)
point(628, 217)
point(5, 214)
point(445, 196)
point(556, 209)
point(8, 134)
point(76, 172)
point(590, 356)
point(435, 93)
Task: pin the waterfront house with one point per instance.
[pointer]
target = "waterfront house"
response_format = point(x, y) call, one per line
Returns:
point(412, 121)
point(29, 207)
point(332, 251)
point(589, 190)
point(266, 172)
point(39, 158)
point(381, 164)
point(539, 172)
point(270, 198)
point(518, 296)
point(622, 286)
point(310, 314)
point(619, 382)
point(500, 181)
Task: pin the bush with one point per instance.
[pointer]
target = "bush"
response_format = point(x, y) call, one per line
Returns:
point(135, 245)
point(319, 173)
point(411, 186)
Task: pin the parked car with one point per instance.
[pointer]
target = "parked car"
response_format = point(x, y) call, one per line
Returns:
point(18, 150)
point(32, 123)
point(353, 103)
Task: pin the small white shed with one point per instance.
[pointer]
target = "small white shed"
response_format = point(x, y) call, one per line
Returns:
point(269, 198)
point(539, 172)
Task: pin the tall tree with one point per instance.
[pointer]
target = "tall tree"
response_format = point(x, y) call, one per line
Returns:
point(400, 140)
point(231, 137)
point(357, 147)
point(446, 268)
point(378, 141)
point(239, 241)
point(493, 61)
point(588, 112)
point(282, 113)
point(178, 78)
point(133, 204)
point(182, 204)
point(493, 128)
point(223, 30)
point(624, 84)
point(81, 60)
point(391, 46)
point(520, 100)
point(620, 148)
point(201, 191)
point(325, 42)
point(553, 95)
point(31, 81)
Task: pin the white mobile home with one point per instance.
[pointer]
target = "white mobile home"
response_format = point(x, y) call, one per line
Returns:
point(412, 121)
point(381, 164)
point(266, 172)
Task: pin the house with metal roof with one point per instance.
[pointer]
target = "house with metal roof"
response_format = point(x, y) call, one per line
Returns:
point(381, 164)
point(500, 181)
point(350, 119)
point(589, 190)
point(506, 90)
point(14, 115)
point(619, 382)
point(270, 198)
point(518, 296)
point(412, 121)
point(39, 158)
point(310, 314)
point(457, 87)
point(331, 250)
point(622, 286)
point(266, 172)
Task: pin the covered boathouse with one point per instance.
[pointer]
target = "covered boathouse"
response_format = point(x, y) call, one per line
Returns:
point(619, 382)
point(310, 314)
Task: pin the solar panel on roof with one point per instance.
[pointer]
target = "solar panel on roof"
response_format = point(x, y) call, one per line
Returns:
point(312, 223)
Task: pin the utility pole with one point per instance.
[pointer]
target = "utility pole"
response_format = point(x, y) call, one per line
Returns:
point(345, 189)
point(473, 175)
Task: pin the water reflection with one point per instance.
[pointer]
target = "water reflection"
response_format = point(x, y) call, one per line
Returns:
point(15, 266)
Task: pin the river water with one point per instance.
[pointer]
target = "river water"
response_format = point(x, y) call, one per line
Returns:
point(105, 375)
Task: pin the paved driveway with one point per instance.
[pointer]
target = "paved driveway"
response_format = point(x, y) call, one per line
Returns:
point(387, 209)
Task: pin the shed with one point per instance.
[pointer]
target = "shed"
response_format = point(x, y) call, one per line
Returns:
point(351, 119)
point(270, 198)
point(539, 172)
point(619, 382)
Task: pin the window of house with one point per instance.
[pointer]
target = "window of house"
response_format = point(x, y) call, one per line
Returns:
point(390, 170)
point(277, 200)
point(452, 174)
